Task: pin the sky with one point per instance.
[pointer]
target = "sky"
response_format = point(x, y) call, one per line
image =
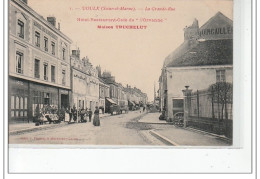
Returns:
point(133, 56)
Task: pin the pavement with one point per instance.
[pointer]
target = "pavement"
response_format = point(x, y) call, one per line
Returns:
point(152, 118)
point(18, 128)
point(178, 136)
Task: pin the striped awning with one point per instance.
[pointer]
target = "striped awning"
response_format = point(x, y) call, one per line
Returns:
point(111, 101)
point(131, 102)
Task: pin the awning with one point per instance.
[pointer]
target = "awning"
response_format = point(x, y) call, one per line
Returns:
point(136, 103)
point(110, 100)
point(131, 102)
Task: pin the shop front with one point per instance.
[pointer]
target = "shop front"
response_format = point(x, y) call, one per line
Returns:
point(42, 96)
point(18, 100)
point(27, 99)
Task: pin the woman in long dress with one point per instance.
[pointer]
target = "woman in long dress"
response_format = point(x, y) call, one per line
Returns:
point(96, 121)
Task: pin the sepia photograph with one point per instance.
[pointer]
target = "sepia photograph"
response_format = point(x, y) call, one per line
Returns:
point(102, 73)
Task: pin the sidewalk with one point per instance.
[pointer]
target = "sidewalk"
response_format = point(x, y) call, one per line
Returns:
point(182, 137)
point(17, 128)
point(152, 118)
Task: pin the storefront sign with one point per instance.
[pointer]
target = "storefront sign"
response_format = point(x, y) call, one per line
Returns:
point(216, 31)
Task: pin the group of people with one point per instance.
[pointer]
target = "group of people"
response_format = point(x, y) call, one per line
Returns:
point(83, 115)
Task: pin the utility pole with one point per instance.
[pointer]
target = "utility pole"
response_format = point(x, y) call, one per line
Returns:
point(154, 94)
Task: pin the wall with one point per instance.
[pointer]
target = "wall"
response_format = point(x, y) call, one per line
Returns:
point(196, 78)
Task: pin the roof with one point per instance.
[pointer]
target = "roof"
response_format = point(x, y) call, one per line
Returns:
point(213, 46)
point(210, 52)
point(176, 53)
point(218, 19)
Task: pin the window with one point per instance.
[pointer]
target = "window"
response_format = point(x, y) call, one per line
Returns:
point(63, 53)
point(79, 103)
point(46, 44)
point(19, 62)
point(45, 71)
point(63, 77)
point(37, 39)
point(37, 68)
point(20, 29)
point(46, 98)
point(52, 73)
point(220, 75)
point(52, 48)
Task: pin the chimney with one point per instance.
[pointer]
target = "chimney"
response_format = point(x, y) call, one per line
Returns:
point(58, 26)
point(76, 53)
point(52, 20)
point(99, 71)
point(192, 32)
point(24, 1)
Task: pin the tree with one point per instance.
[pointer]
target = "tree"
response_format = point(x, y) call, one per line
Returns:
point(222, 94)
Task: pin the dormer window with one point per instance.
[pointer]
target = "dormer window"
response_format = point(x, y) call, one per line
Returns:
point(20, 29)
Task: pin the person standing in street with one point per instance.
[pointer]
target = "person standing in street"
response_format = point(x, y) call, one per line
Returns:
point(70, 113)
point(96, 121)
point(90, 115)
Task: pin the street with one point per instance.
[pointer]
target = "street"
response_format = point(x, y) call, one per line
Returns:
point(114, 130)
point(133, 128)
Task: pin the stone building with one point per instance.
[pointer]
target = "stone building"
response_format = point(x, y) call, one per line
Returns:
point(204, 58)
point(103, 94)
point(113, 90)
point(39, 63)
point(84, 82)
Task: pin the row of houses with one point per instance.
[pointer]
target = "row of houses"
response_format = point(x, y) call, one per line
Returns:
point(189, 73)
point(44, 70)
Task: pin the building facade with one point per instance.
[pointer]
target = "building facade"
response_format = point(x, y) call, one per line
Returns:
point(85, 82)
point(39, 63)
point(204, 58)
point(103, 94)
point(114, 87)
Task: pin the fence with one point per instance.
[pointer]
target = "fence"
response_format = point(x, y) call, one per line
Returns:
point(211, 109)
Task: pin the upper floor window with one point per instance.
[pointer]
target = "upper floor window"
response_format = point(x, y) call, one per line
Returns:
point(37, 39)
point(52, 73)
point(220, 75)
point(63, 77)
point(52, 48)
point(46, 44)
point(19, 62)
point(37, 68)
point(63, 54)
point(20, 29)
point(45, 71)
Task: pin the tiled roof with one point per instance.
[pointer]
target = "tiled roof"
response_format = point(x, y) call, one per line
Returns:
point(210, 52)
point(176, 53)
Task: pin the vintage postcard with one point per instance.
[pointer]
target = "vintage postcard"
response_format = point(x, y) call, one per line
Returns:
point(120, 73)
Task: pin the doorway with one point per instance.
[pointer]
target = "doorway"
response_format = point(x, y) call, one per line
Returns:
point(64, 101)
